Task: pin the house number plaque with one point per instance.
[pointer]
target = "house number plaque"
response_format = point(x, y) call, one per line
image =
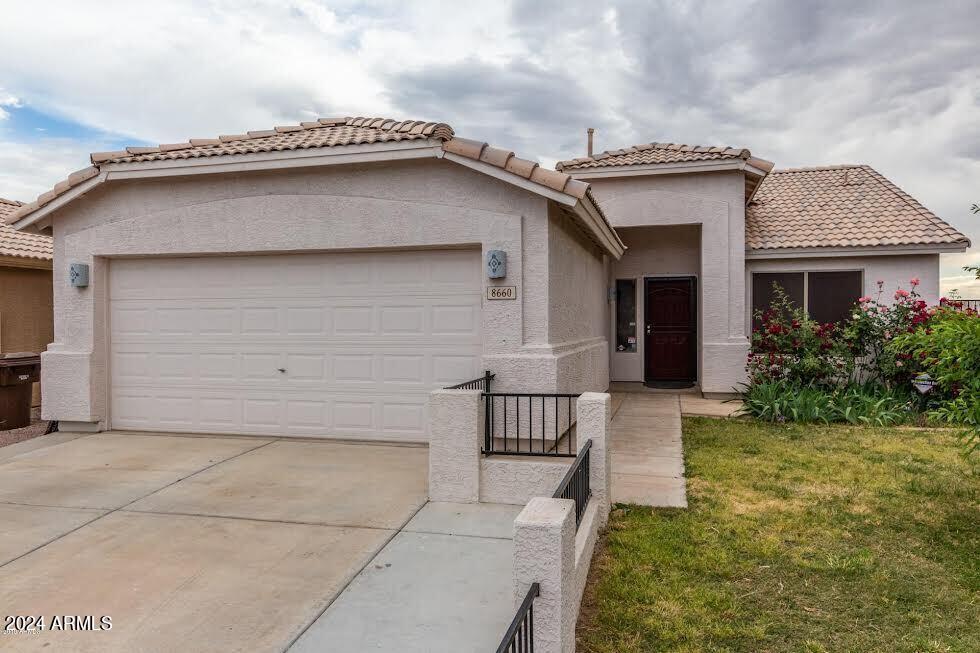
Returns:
point(501, 292)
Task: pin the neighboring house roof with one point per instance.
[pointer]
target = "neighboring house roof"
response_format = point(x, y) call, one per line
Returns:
point(328, 133)
point(843, 206)
point(18, 244)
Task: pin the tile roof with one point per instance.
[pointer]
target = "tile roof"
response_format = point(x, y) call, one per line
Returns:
point(322, 133)
point(653, 154)
point(840, 206)
point(18, 243)
point(325, 132)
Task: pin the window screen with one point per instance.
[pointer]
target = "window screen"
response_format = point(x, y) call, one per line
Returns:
point(625, 315)
point(762, 290)
point(831, 295)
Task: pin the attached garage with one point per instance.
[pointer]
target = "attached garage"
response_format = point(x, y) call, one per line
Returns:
point(315, 280)
point(342, 344)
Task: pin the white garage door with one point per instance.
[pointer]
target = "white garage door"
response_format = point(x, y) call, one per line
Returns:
point(339, 345)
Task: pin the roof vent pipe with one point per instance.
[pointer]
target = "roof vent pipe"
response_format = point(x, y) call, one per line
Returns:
point(591, 131)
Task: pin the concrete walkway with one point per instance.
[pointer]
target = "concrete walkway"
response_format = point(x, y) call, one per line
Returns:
point(444, 583)
point(646, 451)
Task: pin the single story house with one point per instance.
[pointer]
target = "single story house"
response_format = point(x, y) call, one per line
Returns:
point(26, 308)
point(321, 278)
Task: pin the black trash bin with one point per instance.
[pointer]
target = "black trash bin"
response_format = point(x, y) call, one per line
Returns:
point(18, 373)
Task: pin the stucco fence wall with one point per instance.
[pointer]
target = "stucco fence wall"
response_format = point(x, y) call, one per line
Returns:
point(548, 548)
point(430, 204)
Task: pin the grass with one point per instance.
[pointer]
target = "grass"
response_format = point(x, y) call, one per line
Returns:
point(797, 538)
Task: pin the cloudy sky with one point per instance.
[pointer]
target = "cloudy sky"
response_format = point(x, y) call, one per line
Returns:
point(895, 84)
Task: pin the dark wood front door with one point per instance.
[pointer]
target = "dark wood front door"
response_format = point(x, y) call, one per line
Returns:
point(671, 337)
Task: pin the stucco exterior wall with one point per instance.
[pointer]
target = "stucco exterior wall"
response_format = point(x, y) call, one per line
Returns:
point(894, 271)
point(653, 252)
point(577, 306)
point(421, 204)
point(26, 312)
point(716, 202)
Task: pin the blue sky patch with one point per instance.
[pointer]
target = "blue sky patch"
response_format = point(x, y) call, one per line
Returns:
point(28, 125)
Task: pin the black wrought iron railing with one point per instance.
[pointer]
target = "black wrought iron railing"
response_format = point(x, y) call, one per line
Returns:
point(519, 637)
point(970, 303)
point(529, 424)
point(576, 484)
point(482, 383)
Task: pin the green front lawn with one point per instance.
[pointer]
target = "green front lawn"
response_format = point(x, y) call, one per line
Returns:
point(798, 538)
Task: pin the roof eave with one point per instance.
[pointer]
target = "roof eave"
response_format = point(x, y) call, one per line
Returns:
point(869, 250)
point(257, 161)
point(657, 169)
point(30, 262)
point(35, 221)
point(586, 209)
point(314, 156)
point(600, 228)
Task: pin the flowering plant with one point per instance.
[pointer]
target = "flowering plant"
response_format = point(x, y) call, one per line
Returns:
point(874, 324)
point(788, 345)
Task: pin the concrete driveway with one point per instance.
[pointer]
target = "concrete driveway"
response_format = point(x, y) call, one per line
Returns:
point(193, 543)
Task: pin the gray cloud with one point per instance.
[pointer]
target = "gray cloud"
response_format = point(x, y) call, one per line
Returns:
point(893, 84)
point(495, 102)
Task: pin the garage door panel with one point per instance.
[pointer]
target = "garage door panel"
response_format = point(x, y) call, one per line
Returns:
point(254, 319)
point(361, 366)
point(358, 416)
point(198, 344)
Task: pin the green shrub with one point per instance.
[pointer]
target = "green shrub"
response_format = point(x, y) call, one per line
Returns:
point(803, 371)
point(784, 401)
point(947, 348)
point(872, 405)
point(781, 401)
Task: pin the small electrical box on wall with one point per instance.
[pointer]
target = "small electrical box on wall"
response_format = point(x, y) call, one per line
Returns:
point(496, 264)
point(78, 275)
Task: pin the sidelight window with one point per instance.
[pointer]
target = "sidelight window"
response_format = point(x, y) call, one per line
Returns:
point(626, 315)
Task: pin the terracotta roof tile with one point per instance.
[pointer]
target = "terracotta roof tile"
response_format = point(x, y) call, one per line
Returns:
point(840, 206)
point(550, 178)
point(465, 147)
point(653, 154)
point(323, 133)
point(496, 156)
point(520, 166)
point(18, 243)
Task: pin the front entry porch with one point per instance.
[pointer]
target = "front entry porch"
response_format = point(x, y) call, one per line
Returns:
point(674, 320)
point(655, 314)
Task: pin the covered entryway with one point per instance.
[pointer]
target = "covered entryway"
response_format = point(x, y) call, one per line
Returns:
point(657, 312)
point(339, 344)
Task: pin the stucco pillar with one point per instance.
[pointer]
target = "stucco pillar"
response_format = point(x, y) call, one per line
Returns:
point(544, 553)
point(456, 429)
point(593, 424)
point(724, 345)
point(73, 368)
